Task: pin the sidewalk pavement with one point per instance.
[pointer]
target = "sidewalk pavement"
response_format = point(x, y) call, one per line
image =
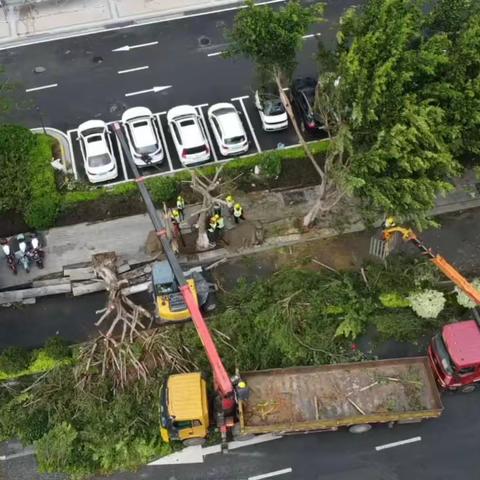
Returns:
point(278, 213)
point(49, 19)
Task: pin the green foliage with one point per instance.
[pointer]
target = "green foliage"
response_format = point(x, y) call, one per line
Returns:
point(57, 348)
point(463, 299)
point(14, 360)
point(393, 300)
point(162, 189)
point(427, 303)
point(271, 37)
point(16, 147)
point(271, 165)
point(404, 83)
point(402, 326)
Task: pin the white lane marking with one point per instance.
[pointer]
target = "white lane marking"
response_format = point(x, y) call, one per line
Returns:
point(120, 151)
point(311, 35)
point(105, 28)
point(239, 98)
point(271, 474)
point(212, 146)
point(250, 126)
point(43, 87)
point(136, 69)
point(149, 90)
point(72, 155)
point(215, 54)
point(164, 140)
point(127, 48)
point(202, 105)
point(396, 444)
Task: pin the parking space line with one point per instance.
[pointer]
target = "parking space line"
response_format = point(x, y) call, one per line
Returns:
point(240, 98)
point(215, 54)
point(202, 105)
point(122, 159)
point(250, 126)
point(164, 140)
point(72, 155)
point(311, 35)
point(212, 146)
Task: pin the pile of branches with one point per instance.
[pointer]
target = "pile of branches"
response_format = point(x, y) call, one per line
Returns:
point(126, 348)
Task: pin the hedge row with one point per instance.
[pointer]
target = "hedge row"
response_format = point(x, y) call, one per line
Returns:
point(165, 188)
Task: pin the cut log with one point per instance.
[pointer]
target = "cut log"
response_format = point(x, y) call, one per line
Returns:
point(52, 281)
point(82, 273)
point(29, 301)
point(124, 267)
point(84, 288)
point(15, 296)
point(140, 287)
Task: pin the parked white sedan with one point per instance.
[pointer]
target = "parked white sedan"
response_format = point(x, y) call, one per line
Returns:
point(272, 112)
point(96, 147)
point(188, 135)
point(227, 129)
point(142, 136)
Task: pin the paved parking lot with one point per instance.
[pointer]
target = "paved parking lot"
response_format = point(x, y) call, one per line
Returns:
point(260, 141)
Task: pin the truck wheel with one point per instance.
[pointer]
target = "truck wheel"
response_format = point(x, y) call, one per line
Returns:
point(192, 442)
point(467, 388)
point(362, 428)
point(210, 305)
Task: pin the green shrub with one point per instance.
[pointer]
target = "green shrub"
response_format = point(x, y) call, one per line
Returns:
point(162, 189)
point(404, 326)
point(44, 204)
point(393, 300)
point(57, 348)
point(271, 164)
point(14, 360)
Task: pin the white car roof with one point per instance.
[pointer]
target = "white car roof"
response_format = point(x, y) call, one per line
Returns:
point(143, 135)
point(96, 148)
point(230, 122)
point(180, 111)
point(134, 112)
point(91, 124)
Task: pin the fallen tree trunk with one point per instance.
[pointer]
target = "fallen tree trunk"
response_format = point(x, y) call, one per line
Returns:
point(15, 296)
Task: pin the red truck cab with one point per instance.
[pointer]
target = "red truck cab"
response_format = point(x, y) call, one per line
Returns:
point(455, 355)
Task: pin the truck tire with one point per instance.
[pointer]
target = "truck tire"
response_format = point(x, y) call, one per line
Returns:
point(467, 388)
point(191, 442)
point(360, 428)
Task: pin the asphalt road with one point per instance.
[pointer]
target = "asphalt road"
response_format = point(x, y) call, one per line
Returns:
point(447, 451)
point(85, 69)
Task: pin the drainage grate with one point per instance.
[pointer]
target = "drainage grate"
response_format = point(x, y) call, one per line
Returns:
point(204, 41)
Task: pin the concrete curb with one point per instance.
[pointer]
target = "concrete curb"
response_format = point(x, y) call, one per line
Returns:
point(62, 139)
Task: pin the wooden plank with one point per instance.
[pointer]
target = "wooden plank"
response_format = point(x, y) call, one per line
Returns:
point(52, 281)
point(140, 287)
point(15, 296)
point(84, 288)
point(124, 267)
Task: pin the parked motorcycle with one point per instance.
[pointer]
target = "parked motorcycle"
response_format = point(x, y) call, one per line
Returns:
point(9, 255)
point(22, 253)
point(35, 253)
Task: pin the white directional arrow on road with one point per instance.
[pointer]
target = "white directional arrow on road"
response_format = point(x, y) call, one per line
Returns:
point(127, 48)
point(150, 90)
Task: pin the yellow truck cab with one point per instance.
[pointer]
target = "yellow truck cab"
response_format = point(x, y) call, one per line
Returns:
point(184, 408)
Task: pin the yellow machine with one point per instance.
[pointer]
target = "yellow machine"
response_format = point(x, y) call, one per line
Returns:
point(184, 409)
point(169, 301)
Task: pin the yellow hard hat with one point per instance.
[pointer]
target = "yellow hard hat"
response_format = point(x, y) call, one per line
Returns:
point(237, 205)
point(242, 384)
point(216, 216)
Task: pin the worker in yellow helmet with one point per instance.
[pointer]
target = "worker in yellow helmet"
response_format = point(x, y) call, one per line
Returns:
point(389, 222)
point(181, 206)
point(220, 225)
point(230, 203)
point(238, 213)
point(212, 228)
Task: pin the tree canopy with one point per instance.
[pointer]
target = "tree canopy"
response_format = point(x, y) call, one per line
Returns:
point(400, 88)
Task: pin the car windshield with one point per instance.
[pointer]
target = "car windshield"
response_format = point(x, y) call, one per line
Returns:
point(94, 138)
point(442, 352)
point(234, 140)
point(194, 150)
point(98, 160)
point(147, 149)
point(273, 107)
point(187, 123)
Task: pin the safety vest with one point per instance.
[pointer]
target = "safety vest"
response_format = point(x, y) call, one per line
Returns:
point(237, 210)
point(220, 222)
point(230, 201)
point(175, 215)
point(180, 202)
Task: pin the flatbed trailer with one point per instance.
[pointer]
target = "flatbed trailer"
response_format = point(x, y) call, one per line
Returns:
point(302, 399)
